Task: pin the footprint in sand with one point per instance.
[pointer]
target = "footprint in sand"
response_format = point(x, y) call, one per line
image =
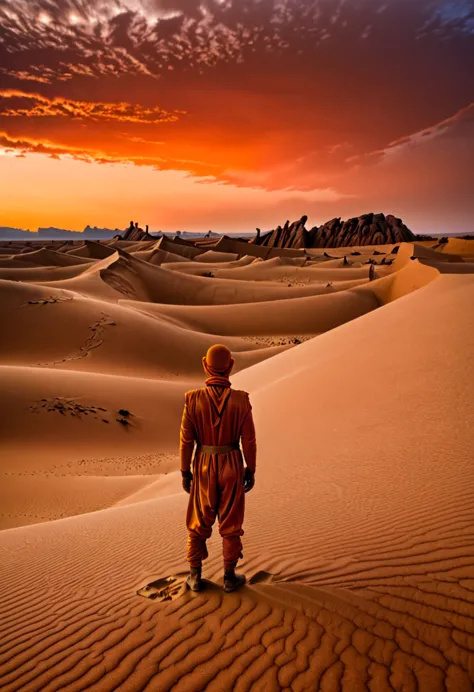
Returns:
point(166, 589)
point(48, 301)
point(174, 586)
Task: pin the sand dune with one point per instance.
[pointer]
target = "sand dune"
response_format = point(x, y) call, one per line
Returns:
point(204, 268)
point(91, 249)
point(450, 267)
point(372, 584)
point(127, 245)
point(8, 251)
point(39, 497)
point(178, 248)
point(458, 246)
point(45, 258)
point(159, 257)
point(330, 263)
point(423, 252)
point(262, 272)
point(138, 280)
point(95, 336)
point(408, 276)
point(10, 262)
point(298, 316)
point(67, 410)
point(89, 283)
point(308, 315)
point(162, 486)
point(215, 256)
point(227, 244)
point(350, 250)
point(33, 273)
point(358, 534)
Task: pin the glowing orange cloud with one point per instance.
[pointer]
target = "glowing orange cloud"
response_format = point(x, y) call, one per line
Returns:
point(42, 106)
point(26, 145)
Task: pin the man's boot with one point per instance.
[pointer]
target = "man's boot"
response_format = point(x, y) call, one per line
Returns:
point(194, 579)
point(233, 581)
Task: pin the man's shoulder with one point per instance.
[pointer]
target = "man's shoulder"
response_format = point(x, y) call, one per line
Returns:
point(241, 393)
point(191, 393)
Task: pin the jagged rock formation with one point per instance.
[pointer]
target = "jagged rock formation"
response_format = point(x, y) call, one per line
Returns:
point(290, 236)
point(135, 233)
point(368, 229)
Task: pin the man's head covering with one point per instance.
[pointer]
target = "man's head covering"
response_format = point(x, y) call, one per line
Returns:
point(218, 360)
point(217, 364)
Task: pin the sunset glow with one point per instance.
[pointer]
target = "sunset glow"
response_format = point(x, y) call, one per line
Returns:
point(231, 115)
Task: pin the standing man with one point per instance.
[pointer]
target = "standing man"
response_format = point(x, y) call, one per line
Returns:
point(216, 417)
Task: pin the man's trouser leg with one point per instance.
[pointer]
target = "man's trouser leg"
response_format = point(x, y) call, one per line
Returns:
point(231, 509)
point(201, 512)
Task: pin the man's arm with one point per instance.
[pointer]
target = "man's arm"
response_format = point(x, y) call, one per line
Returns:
point(249, 442)
point(187, 436)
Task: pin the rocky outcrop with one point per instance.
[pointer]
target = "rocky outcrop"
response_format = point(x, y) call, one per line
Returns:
point(368, 229)
point(135, 233)
point(290, 236)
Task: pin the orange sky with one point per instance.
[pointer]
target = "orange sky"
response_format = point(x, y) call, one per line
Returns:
point(228, 115)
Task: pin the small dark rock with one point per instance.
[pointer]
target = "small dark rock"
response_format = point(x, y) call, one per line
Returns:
point(122, 411)
point(123, 421)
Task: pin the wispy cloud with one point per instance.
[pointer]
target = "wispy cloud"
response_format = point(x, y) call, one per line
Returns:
point(27, 145)
point(38, 106)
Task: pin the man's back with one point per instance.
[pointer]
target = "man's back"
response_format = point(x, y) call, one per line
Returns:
point(219, 421)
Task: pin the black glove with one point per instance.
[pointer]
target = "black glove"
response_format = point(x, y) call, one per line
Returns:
point(249, 479)
point(187, 478)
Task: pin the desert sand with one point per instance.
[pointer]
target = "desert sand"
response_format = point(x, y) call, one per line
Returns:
point(358, 542)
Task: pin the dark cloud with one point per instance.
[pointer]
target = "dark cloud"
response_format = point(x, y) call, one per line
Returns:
point(154, 35)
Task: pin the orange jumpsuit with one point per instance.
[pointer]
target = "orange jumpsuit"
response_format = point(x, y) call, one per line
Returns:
point(217, 487)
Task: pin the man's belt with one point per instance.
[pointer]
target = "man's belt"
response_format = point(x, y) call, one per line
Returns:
point(210, 449)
